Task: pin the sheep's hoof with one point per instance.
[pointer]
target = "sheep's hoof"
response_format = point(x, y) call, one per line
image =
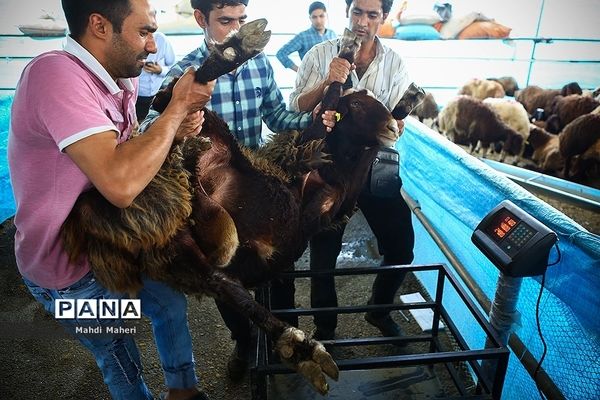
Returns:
point(308, 357)
point(254, 37)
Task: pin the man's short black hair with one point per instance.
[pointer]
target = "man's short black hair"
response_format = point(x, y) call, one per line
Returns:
point(206, 6)
point(317, 5)
point(77, 13)
point(386, 5)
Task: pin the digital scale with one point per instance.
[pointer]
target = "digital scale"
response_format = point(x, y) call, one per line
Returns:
point(514, 241)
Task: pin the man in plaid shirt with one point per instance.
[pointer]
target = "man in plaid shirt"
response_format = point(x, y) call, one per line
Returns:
point(247, 96)
point(305, 40)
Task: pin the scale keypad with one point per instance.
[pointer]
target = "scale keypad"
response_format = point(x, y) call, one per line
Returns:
point(517, 238)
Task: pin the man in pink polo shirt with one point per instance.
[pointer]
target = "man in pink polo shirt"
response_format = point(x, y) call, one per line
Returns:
point(72, 118)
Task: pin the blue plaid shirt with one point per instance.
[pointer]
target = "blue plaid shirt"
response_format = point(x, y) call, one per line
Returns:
point(244, 99)
point(302, 43)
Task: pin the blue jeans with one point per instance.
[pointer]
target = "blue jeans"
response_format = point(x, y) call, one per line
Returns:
point(117, 356)
point(391, 221)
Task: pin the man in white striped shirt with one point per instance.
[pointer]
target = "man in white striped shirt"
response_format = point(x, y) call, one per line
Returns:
point(382, 71)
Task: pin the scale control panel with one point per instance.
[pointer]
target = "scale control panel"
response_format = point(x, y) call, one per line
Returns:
point(517, 243)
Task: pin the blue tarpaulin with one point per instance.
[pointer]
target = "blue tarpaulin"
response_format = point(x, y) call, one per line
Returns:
point(455, 191)
point(7, 201)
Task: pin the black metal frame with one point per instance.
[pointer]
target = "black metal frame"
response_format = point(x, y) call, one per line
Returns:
point(262, 364)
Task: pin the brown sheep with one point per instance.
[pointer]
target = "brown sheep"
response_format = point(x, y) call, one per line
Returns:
point(571, 88)
point(579, 144)
point(163, 234)
point(534, 97)
point(566, 109)
point(481, 89)
point(545, 150)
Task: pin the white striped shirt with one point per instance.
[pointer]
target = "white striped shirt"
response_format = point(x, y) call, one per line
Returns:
point(387, 75)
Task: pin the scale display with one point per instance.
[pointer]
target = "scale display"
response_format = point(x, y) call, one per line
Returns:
point(514, 241)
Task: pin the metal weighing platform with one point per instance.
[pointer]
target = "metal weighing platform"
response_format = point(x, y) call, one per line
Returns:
point(403, 376)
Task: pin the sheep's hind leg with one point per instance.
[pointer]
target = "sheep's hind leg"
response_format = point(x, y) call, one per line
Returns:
point(214, 230)
point(190, 273)
point(235, 50)
point(308, 357)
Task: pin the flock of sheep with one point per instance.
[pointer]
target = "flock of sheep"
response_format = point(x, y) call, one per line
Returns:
point(552, 131)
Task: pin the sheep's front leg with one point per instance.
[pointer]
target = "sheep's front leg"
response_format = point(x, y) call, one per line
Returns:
point(473, 147)
point(483, 148)
point(502, 155)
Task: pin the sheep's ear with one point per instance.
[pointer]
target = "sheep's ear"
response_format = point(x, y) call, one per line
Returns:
point(342, 107)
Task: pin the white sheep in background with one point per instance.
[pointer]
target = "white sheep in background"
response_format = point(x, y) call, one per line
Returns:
point(509, 84)
point(446, 121)
point(467, 120)
point(482, 88)
point(513, 114)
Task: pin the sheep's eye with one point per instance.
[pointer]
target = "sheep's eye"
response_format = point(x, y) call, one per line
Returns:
point(355, 104)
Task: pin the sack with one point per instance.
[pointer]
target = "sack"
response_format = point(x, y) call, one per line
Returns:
point(444, 10)
point(384, 178)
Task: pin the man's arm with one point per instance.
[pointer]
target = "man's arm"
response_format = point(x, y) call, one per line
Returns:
point(295, 44)
point(311, 81)
point(339, 69)
point(175, 72)
point(273, 109)
point(121, 171)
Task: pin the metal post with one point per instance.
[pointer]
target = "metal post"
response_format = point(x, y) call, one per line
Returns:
point(503, 314)
point(535, 42)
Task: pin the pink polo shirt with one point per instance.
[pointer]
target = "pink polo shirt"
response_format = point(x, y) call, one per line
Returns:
point(62, 97)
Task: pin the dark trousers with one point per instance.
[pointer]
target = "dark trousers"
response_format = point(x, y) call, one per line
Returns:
point(391, 222)
point(142, 106)
point(282, 297)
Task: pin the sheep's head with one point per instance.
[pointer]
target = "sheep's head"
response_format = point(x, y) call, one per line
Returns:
point(366, 121)
point(514, 143)
point(537, 136)
point(412, 97)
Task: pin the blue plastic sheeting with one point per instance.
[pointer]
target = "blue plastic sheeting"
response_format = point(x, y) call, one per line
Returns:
point(7, 201)
point(455, 191)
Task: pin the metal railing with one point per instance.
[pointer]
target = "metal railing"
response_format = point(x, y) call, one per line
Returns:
point(264, 364)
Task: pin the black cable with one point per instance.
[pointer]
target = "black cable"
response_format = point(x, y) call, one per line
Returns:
point(559, 255)
point(539, 327)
